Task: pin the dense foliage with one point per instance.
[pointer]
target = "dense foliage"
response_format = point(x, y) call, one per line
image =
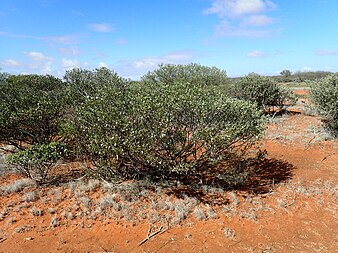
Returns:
point(193, 73)
point(263, 91)
point(162, 128)
point(84, 84)
point(177, 122)
point(31, 108)
point(325, 97)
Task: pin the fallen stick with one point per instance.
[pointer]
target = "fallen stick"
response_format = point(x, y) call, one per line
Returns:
point(2, 239)
point(151, 235)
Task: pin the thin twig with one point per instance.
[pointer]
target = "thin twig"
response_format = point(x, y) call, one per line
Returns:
point(2, 239)
point(151, 235)
point(308, 144)
point(293, 201)
point(328, 156)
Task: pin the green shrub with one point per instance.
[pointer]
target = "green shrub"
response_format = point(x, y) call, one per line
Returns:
point(31, 108)
point(36, 161)
point(162, 129)
point(194, 73)
point(324, 94)
point(263, 91)
point(84, 84)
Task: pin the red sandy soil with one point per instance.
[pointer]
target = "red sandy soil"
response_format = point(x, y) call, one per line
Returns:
point(301, 91)
point(298, 215)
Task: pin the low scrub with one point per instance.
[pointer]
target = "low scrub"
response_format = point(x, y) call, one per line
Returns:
point(37, 161)
point(263, 91)
point(324, 94)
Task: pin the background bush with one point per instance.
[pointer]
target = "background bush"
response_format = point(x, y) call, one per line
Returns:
point(164, 127)
point(263, 91)
point(325, 96)
point(193, 73)
point(31, 108)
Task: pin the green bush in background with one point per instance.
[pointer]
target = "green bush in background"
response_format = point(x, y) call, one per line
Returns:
point(31, 108)
point(193, 73)
point(263, 91)
point(324, 94)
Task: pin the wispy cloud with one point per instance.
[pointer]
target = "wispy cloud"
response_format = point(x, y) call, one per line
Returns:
point(77, 13)
point(256, 54)
point(57, 39)
point(9, 63)
point(134, 69)
point(322, 52)
point(37, 56)
point(102, 27)
point(121, 41)
point(67, 64)
point(258, 20)
point(241, 17)
point(225, 28)
point(36, 62)
point(69, 51)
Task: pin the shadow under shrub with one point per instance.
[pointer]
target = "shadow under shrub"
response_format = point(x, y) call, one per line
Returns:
point(164, 130)
point(324, 94)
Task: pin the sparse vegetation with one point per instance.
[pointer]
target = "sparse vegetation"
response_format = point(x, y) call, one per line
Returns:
point(140, 172)
point(17, 186)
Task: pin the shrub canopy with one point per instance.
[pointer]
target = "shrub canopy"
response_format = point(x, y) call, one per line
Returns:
point(31, 107)
point(263, 91)
point(194, 73)
point(324, 94)
point(164, 128)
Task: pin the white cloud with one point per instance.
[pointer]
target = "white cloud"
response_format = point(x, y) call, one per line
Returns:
point(68, 64)
point(77, 13)
point(258, 20)
point(62, 39)
point(134, 69)
point(37, 56)
point(58, 39)
point(36, 63)
point(233, 8)
point(103, 65)
point(9, 63)
point(322, 52)
point(69, 51)
point(121, 41)
point(102, 27)
point(240, 17)
point(224, 28)
point(256, 54)
point(39, 62)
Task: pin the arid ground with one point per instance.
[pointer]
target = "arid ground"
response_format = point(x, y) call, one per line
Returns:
point(290, 207)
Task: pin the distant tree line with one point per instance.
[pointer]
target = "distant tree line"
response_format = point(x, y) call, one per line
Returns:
point(298, 76)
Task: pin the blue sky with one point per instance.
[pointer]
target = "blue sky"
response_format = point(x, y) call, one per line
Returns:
point(133, 36)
